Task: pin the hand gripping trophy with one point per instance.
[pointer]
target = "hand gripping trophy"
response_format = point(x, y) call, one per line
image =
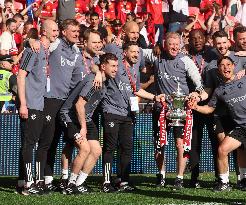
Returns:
point(179, 115)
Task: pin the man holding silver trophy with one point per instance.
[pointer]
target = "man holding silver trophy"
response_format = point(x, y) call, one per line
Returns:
point(173, 70)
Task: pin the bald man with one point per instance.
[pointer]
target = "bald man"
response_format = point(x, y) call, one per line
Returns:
point(130, 32)
point(32, 84)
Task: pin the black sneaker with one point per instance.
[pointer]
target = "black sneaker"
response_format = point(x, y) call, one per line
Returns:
point(222, 187)
point(194, 184)
point(126, 188)
point(18, 189)
point(178, 184)
point(160, 181)
point(32, 190)
point(243, 184)
point(72, 189)
point(51, 187)
point(83, 189)
point(63, 185)
point(108, 188)
point(42, 188)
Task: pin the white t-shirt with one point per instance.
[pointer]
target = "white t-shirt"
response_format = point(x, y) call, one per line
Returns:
point(7, 42)
point(241, 15)
point(181, 6)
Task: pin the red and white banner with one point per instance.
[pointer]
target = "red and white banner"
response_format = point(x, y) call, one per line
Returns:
point(163, 124)
point(188, 131)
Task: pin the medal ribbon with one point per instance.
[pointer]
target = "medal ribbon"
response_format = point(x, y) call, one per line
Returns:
point(86, 65)
point(133, 84)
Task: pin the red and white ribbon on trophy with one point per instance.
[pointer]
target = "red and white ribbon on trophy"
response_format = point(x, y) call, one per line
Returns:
point(187, 129)
point(163, 124)
point(188, 132)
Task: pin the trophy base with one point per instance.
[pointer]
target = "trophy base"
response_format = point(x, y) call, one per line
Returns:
point(176, 123)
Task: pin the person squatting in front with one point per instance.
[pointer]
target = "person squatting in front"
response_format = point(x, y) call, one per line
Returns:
point(82, 132)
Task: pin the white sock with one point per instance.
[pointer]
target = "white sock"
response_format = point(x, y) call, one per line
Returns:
point(224, 178)
point(28, 184)
point(73, 178)
point(242, 173)
point(81, 178)
point(238, 178)
point(21, 183)
point(163, 173)
point(123, 183)
point(64, 173)
point(180, 177)
point(48, 179)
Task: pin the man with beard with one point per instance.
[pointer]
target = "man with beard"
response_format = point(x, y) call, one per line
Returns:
point(231, 92)
point(223, 123)
point(95, 24)
point(201, 55)
point(239, 34)
point(130, 32)
point(7, 42)
point(119, 105)
point(77, 112)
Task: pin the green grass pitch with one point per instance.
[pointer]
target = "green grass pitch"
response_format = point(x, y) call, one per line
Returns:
point(147, 193)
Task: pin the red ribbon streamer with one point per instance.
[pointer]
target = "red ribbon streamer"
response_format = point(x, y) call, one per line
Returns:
point(162, 121)
point(188, 132)
point(187, 129)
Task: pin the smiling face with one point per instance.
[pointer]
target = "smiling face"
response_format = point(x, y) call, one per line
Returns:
point(93, 44)
point(226, 69)
point(241, 41)
point(172, 45)
point(132, 54)
point(110, 68)
point(197, 41)
point(222, 44)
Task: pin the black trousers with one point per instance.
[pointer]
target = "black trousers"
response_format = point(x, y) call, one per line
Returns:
point(118, 132)
point(199, 121)
point(51, 133)
point(30, 135)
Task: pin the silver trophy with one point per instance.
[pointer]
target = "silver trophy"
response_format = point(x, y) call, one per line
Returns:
point(176, 112)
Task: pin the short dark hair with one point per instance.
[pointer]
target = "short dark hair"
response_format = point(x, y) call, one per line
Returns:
point(18, 15)
point(128, 44)
point(9, 21)
point(223, 58)
point(105, 58)
point(69, 22)
point(196, 31)
point(220, 34)
point(8, 1)
point(87, 33)
point(238, 29)
point(94, 14)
